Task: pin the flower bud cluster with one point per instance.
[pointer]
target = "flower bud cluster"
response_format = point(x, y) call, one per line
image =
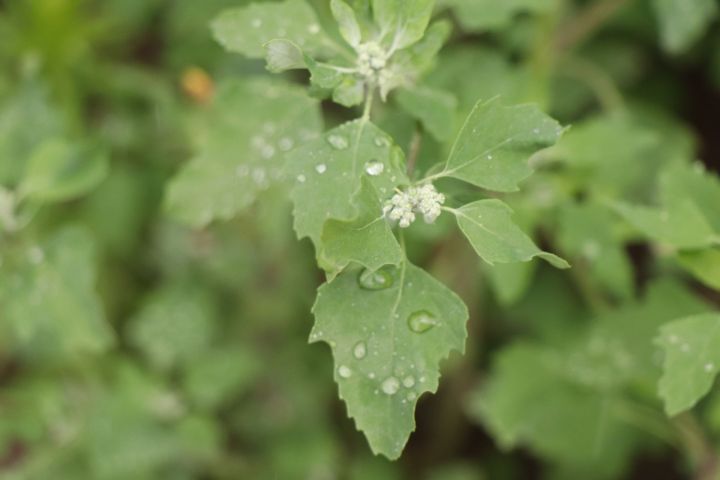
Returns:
point(372, 58)
point(404, 205)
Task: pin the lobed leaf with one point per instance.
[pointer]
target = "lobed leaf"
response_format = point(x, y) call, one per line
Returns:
point(242, 155)
point(327, 174)
point(387, 343)
point(246, 29)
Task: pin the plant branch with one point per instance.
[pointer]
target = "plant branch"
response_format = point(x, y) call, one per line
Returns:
point(413, 151)
point(584, 24)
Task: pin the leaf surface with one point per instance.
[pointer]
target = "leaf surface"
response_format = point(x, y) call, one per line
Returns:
point(387, 344)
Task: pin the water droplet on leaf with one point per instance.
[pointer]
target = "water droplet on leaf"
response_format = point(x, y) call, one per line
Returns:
point(374, 167)
point(359, 351)
point(409, 381)
point(344, 371)
point(320, 168)
point(338, 142)
point(421, 321)
point(390, 386)
point(377, 280)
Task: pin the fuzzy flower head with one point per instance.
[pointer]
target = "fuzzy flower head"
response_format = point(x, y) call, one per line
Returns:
point(424, 200)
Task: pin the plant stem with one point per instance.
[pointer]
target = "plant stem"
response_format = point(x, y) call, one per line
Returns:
point(583, 25)
point(413, 151)
point(699, 449)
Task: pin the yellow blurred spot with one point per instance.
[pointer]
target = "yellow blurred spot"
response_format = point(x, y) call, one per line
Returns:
point(197, 84)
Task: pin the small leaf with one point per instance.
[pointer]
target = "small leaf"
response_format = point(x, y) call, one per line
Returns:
point(327, 174)
point(367, 240)
point(683, 22)
point(704, 265)
point(387, 344)
point(692, 360)
point(529, 401)
point(680, 224)
point(246, 29)
point(496, 142)
point(282, 55)
point(59, 170)
point(436, 109)
point(495, 238)
point(242, 155)
point(483, 15)
point(49, 301)
point(175, 325)
point(403, 21)
point(345, 17)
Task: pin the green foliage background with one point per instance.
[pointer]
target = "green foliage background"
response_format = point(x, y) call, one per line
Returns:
point(155, 303)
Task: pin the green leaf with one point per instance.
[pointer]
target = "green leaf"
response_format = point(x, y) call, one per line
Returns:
point(387, 344)
point(327, 174)
point(613, 155)
point(26, 120)
point(482, 15)
point(421, 56)
point(588, 232)
point(219, 373)
point(494, 236)
point(242, 155)
point(59, 170)
point(175, 325)
point(402, 21)
point(367, 240)
point(704, 265)
point(493, 148)
point(683, 22)
point(692, 360)
point(680, 224)
point(282, 55)
point(345, 17)
point(436, 109)
point(692, 182)
point(49, 302)
point(529, 401)
point(246, 29)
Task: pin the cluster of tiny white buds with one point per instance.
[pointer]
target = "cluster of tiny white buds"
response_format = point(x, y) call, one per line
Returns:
point(423, 199)
point(372, 58)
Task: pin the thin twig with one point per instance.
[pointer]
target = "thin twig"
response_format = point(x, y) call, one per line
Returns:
point(584, 24)
point(413, 151)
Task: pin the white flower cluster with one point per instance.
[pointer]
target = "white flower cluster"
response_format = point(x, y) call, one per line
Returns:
point(372, 58)
point(423, 199)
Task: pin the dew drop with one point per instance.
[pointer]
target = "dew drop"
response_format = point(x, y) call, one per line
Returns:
point(314, 28)
point(709, 367)
point(409, 381)
point(390, 386)
point(359, 350)
point(285, 144)
point(377, 280)
point(321, 168)
point(36, 255)
point(411, 396)
point(421, 321)
point(267, 151)
point(371, 375)
point(256, 23)
point(301, 178)
point(338, 142)
point(374, 168)
point(381, 141)
point(258, 176)
point(344, 371)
